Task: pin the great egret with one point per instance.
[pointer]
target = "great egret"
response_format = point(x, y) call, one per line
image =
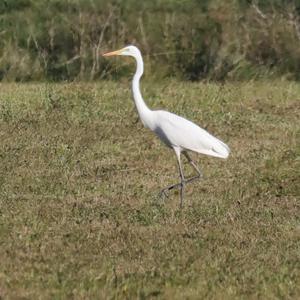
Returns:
point(176, 132)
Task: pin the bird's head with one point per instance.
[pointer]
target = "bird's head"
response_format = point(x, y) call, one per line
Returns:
point(126, 51)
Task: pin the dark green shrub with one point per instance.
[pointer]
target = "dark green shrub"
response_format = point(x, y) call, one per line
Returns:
point(62, 40)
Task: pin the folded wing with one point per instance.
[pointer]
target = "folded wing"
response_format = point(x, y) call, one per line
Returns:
point(177, 131)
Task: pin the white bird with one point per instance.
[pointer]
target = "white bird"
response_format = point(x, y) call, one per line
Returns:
point(176, 132)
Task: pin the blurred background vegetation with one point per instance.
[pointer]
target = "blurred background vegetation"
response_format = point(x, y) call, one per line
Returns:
point(192, 40)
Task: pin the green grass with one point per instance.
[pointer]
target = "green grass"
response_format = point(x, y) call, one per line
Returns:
point(79, 178)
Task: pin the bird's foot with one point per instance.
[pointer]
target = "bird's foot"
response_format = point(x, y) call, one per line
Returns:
point(163, 193)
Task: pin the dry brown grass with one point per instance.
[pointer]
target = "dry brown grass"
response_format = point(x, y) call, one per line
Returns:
point(79, 177)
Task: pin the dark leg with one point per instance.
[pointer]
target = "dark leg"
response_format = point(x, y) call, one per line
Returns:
point(183, 181)
point(177, 185)
point(199, 174)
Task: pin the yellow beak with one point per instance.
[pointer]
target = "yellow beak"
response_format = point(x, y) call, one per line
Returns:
point(118, 52)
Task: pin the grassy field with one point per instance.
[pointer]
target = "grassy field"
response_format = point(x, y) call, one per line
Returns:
point(79, 179)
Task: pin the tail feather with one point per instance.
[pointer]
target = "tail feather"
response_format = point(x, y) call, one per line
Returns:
point(221, 149)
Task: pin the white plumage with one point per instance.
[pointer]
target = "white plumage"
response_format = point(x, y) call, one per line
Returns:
point(179, 132)
point(176, 132)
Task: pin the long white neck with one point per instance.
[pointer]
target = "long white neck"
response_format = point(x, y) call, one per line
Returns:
point(144, 112)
